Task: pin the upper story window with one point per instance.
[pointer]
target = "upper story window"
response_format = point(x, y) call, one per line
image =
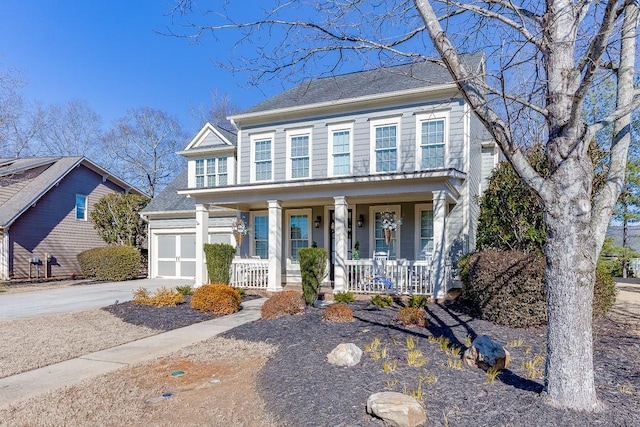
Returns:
point(385, 143)
point(340, 137)
point(262, 157)
point(211, 172)
point(81, 207)
point(432, 133)
point(298, 150)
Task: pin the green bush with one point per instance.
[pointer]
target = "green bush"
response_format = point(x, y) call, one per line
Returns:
point(382, 300)
point(418, 301)
point(313, 268)
point(345, 297)
point(508, 288)
point(110, 263)
point(219, 258)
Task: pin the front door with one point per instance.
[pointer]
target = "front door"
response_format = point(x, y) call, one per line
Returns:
point(332, 239)
point(176, 255)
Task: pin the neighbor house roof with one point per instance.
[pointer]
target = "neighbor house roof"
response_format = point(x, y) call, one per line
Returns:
point(23, 181)
point(417, 75)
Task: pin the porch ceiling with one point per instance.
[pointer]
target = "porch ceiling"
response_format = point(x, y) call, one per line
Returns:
point(403, 187)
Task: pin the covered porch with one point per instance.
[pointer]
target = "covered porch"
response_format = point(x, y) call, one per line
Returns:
point(342, 216)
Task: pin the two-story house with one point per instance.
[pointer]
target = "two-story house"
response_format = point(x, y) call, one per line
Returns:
point(335, 161)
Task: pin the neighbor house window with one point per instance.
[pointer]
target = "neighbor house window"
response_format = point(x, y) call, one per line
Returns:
point(81, 207)
point(298, 148)
point(340, 149)
point(262, 151)
point(432, 131)
point(298, 232)
point(261, 236)
point(385, 135)
point(211, 172)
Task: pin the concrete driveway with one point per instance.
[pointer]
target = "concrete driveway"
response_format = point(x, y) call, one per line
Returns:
point(77, 297)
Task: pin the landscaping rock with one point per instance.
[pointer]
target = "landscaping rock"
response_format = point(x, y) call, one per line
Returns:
point(345, 354)
point(486, 353)
point(396, 409)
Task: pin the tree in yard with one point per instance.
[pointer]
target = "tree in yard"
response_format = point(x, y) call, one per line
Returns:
point(143, 146)
point(116, 218)
point(542, 59)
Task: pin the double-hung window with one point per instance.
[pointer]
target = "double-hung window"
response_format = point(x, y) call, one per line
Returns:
point(81, 207)
point(340, 149)
point(432, 131)
point(385, 144)
point(200, 173)
point(262, 159)
point(261, 235)
point(424, 230)
point(299, 159)
point(298, 231)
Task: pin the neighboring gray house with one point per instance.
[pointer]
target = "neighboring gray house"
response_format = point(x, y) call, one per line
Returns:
point(329, 162)
point(44, 213)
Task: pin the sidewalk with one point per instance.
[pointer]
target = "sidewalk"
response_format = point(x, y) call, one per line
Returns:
point(627, 308)
point(49, 378)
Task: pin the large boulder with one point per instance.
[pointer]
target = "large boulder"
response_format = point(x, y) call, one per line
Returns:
point(396, 409)
point(486, 353)
point(345, 354)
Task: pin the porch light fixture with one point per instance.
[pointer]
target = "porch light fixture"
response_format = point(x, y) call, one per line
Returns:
point(360, 220)
point(317, 222)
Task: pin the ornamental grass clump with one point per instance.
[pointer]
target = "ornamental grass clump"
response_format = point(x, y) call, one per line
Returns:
point(282, 304)
point(412, 316)
point(216, 298)
point(345, 297)
point(382, 300)
point(340, 313)
point(163, 297)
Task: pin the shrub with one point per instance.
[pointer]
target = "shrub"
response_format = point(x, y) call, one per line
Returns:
point(340, 312)
point(185, 289)
point(508, 288)
point(116, 218)
point(283, 303)
point(216, 298)
point(418, 301)
point(382, 300)
point(313, 268)
point(412, 316)
point(345, 297)
point(163, 297)
point(219, 258)
point(110, 263)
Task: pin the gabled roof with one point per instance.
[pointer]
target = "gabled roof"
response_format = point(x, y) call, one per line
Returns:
point(211, 138)
point(418, 75)
point(28, 179)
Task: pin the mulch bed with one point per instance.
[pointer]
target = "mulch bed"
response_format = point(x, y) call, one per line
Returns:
point(302, 389)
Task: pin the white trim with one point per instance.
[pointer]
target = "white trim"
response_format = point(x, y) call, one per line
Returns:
point(290, 133)
point(238, 158)
point(4, 254)
point(263, 136)
point(339, 127)
point(429, 116)
point(375, 123)
point(289, 213)
point(372, 227)
point(419, 207)
point(202, 134)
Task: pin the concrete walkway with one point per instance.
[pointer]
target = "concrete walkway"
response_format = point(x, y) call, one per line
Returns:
point(49, 378)
point(628, 302)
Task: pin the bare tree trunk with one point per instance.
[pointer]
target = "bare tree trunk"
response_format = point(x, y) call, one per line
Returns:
point(625, 236)
point(570, 276)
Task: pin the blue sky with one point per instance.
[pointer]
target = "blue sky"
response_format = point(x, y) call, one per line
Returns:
point(108, 53)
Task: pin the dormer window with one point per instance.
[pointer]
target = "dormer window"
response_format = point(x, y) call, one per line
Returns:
point(211, 172)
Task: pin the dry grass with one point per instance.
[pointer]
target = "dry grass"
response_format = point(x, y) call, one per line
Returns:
point(119, 398)
point(60, 337)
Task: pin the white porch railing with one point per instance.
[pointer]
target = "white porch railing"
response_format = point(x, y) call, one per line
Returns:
point(394, 277)
point(250, 273)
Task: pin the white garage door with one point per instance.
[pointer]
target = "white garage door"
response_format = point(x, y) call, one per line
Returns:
point(176, 255)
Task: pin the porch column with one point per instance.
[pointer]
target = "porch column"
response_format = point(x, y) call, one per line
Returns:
point(439, 244)
point(275, 246)
point(202, 229)
point(341, 226)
